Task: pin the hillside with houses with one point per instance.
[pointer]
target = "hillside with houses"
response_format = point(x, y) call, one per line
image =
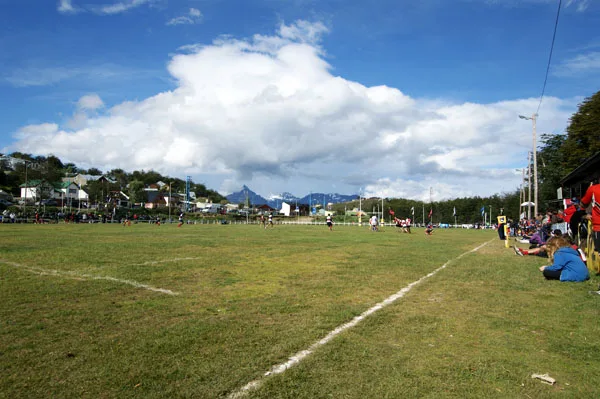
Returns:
point(46, 181)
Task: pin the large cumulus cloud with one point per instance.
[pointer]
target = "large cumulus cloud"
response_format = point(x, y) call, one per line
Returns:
point(270, 111)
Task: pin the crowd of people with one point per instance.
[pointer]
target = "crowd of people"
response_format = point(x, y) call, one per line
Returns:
point(565, 248)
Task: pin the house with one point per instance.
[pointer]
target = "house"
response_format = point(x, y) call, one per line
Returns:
point(203, 202)
point(36, 190)
point(155, 199)
point(576, 183)
point(69, 192)
point(64, 192)
point(231, 208)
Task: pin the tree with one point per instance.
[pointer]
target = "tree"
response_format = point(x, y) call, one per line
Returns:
point(551, 167)
point(120, 176)
point(52, 169)
point(136, 191)
point(583, 133)
point(94, 172)
point(70, 168)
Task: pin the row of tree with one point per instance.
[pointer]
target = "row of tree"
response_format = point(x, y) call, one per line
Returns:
point(467, 210)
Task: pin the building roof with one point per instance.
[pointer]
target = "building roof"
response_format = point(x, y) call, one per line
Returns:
point(32, 183)
point(64, 184)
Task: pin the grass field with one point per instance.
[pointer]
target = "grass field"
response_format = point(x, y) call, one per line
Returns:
point(105, 311)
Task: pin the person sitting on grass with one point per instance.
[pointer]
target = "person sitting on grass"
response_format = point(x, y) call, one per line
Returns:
point(538, 250)
point(543, 251)
point(566, 263)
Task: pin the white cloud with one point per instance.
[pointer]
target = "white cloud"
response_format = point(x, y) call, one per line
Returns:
point(268, 112)
point(87, 106)
point(194, 16)
point(581, 5)
point(66, 7)
point(120, 7)
point(580, 65)
point(90, 102)
point(35, 75)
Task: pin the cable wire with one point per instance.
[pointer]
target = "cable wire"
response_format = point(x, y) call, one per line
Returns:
point(550, 56)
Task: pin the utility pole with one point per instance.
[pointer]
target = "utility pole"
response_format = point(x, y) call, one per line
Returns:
point(430, 205)
point(360, 207)
point(535, 175)
point(533, 119)
point(529, 185)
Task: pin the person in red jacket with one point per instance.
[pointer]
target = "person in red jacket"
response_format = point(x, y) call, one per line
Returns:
point(571, 209)
point(592, 197)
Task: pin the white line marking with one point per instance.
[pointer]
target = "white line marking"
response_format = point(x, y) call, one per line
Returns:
point(298, 357)
point(154, 262)
point(77, 276)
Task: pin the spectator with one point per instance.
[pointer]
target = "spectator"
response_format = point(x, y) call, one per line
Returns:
point(578, 225)
point(571, 209)
point(566, 263)
point(592, 198)
point(542, 250)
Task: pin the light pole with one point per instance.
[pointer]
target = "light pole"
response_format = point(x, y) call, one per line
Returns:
point(533, 119)
point(359, 206)
point(170, 201)
point(491, 215)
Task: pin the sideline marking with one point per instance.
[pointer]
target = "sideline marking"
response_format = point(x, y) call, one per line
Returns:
point(298, 357)
point(77, 276)
point(154, 262)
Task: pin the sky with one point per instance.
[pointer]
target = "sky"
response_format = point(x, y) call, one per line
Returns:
point(387, 98)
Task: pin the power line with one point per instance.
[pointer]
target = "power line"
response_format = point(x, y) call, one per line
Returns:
point(550, 56)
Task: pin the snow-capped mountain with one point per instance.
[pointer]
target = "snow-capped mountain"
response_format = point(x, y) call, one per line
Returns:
point(275, 200)
point(244, 194)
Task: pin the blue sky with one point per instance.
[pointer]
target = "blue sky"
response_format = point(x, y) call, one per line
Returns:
point(387, 97)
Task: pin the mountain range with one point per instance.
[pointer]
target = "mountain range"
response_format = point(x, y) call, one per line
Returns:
point(274, 201)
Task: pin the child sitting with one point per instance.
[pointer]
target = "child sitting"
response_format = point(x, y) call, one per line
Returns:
point(566, 263)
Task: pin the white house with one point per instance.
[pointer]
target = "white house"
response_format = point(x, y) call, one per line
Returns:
point(69, 191)
point(35, 190)
point(286, 209)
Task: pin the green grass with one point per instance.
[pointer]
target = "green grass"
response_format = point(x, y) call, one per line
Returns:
point(249, 298)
